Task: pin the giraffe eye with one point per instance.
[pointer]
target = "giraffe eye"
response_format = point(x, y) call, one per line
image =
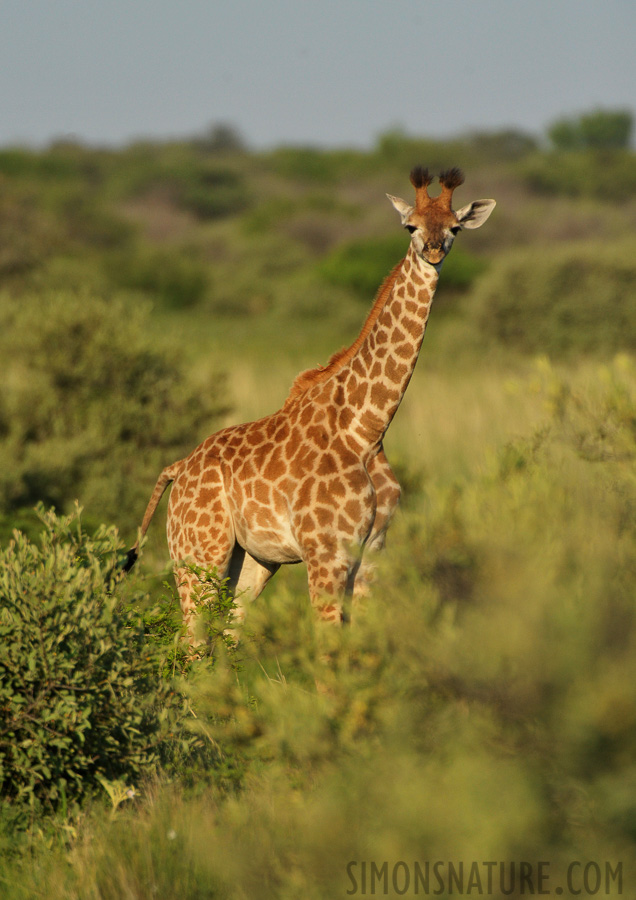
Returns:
point(410, 228)
point(456, 229)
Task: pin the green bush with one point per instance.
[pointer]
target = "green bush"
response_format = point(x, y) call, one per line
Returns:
point(79, 690)
point(471, 150)
point(185, 175)
point(402, 151)
point(89, 698)
point(362, 266)
point(602, 130)
point(28, 235)
point(212, 192)
point(174, 277)
point(92, 408)
point(608, 175)
point(563, 300)
point(54, 164)
point(304, 163)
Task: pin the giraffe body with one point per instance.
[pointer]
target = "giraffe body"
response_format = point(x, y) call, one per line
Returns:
point(311, 482)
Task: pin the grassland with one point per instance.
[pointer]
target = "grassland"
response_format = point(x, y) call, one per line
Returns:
point(483, 705)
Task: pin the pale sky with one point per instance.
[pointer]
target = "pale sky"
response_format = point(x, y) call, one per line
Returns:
point(320, 72)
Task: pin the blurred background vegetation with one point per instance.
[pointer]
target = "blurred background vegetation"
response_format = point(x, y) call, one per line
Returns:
point(151, 294)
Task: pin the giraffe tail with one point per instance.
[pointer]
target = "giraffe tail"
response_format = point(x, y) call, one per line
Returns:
point(167, 476)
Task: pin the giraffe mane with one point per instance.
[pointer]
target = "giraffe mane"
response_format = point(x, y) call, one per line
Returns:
point(340, 358)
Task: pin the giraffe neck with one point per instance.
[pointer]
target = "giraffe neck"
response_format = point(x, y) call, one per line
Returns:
point(374, 381)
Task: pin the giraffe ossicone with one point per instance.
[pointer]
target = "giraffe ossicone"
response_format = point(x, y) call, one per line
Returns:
point(311, 482)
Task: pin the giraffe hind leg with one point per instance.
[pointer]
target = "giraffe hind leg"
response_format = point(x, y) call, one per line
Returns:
point(248, 577)
point(193, 588)
point(206, 542)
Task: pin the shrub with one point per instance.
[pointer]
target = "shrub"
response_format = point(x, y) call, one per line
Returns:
point(221, 138)
point(362, 266)
point(606, 175)
point(188, 176)
point(304, 163)
point(601, 130)
point(501, 146)
point(576, 298)
point(88, 673)
point(402, 151)
point(27, 234)
point(92, 407)
point(79, 691)
point(174, 277)
point(211, 192)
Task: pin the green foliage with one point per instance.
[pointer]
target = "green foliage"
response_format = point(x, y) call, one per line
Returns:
point(598, 130)
point(501, 146)
point(79, 692)
point(477, 149)
point(176, 278)
point(361, 266)
point(305, 163)
point(88, 676)
point(403, 151)
point(516, 679)
point(213, 193)
point(563, 300)
point(215, 606)
point(461, 269)
point(606, 175)
point(187, 175)
point(65, 162)
point(221, 138)
point(92, 408)
point(28, 235)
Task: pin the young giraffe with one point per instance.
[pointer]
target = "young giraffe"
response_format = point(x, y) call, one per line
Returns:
point(311, 482)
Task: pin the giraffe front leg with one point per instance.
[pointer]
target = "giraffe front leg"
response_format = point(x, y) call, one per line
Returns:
point(387, 493)
point(330, 586)
point(331, 573)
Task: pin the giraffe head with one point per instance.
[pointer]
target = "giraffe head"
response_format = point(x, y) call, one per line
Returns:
point(432, 222)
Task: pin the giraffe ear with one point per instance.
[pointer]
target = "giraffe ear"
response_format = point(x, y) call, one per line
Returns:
point(402, 207)
point(475, 214)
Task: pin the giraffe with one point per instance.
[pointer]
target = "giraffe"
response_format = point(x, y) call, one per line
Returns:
point(311, 481)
